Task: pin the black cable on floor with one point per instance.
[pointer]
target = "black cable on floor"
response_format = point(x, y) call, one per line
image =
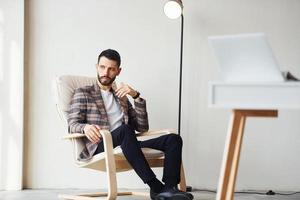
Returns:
point(287, 193)
point(270, 192)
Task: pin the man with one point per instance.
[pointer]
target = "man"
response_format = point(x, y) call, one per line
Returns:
point(100, 106)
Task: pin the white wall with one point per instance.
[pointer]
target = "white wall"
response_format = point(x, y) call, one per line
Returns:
point(68, 42)
point(271, 146)
point(65, 37)
point(11, 93)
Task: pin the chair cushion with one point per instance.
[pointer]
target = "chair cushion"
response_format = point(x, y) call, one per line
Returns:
point(149, 153)
point(64, 87)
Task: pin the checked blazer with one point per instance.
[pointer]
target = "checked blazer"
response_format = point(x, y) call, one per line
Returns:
point(87, 107)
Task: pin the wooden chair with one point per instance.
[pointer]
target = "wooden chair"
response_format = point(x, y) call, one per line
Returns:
point(111, 160)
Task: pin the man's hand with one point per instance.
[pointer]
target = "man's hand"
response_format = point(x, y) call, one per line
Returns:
point(125, 89)
point(92, 132)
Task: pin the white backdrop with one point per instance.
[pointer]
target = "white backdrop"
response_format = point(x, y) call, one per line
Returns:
point(11, 93)
point(65, 37)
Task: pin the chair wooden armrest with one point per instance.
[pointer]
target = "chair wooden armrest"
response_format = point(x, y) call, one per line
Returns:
point(73, 136)
point(148, 133)
point(106, 136)
point(157, 132)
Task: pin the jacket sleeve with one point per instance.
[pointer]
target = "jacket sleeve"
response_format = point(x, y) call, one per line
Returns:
point(138, 117)
point(77, 112)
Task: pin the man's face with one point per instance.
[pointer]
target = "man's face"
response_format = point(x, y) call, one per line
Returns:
point(107, 71)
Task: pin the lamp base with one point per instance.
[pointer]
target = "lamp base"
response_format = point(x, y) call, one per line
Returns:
point(189, 188)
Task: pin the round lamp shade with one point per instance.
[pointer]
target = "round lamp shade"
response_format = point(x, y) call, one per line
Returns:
point(173, 9)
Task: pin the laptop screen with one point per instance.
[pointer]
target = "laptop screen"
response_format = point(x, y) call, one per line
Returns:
point(245, 58)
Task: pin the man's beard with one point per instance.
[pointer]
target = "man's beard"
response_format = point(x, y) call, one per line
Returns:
point(105, 80)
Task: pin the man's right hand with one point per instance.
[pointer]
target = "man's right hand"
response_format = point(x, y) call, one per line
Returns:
point(92, 133)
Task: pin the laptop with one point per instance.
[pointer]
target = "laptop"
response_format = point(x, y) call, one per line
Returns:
point(245, 58)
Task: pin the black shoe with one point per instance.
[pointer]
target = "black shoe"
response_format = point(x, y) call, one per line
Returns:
point(173, 194)
point(189, 195)
point(153, 194)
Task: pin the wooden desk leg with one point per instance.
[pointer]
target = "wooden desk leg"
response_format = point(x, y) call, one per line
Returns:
point(231, 156)
point(232, 150)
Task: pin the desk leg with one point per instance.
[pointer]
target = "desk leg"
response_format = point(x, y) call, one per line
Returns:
point(231, 157)
point(232, 150)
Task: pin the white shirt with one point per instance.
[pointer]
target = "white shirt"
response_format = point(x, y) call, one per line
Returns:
point(113, 110)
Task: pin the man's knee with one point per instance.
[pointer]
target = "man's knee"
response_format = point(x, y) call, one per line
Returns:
point(175, 139)
point(127, 131)
point(126, 127)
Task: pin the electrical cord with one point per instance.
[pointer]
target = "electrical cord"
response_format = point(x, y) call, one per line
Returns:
point(270, 192)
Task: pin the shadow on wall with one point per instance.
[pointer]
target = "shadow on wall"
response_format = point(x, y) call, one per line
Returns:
point(11, 106)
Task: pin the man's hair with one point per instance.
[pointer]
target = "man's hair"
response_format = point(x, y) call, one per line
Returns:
point(111, 55)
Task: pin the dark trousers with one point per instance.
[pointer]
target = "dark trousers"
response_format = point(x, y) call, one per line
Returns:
point(170, 144)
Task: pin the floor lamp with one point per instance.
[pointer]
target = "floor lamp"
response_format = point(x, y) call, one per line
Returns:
point(174, 9)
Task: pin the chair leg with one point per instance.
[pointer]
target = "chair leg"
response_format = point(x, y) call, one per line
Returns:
point(182, 184)
point(110, 164)
point(143, 194)
point(91, 196)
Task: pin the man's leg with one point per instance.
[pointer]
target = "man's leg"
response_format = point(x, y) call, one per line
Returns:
point(125, 136)
point(171, 145)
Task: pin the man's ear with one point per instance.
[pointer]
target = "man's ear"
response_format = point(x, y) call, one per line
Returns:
point(96, 65)
point(119, 71)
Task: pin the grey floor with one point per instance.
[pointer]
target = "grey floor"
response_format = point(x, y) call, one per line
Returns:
point(199, 195)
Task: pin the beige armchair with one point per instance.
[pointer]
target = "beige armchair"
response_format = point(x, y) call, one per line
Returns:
point(111, 160)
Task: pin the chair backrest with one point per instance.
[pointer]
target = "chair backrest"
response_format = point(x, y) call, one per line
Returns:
point(63, 89)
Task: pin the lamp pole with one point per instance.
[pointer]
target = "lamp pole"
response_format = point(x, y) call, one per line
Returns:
point(180, 75)
point(188, 188)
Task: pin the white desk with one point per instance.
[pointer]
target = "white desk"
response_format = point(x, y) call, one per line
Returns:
point(247, 100)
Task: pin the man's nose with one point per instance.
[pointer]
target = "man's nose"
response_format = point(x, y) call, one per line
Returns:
point(105, 72)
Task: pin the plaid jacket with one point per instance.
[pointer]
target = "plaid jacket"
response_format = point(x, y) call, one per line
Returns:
point(87, 107)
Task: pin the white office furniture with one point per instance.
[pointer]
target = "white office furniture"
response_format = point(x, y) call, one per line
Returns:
point(247, 100)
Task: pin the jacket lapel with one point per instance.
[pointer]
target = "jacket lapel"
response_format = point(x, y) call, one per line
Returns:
point(101, 107)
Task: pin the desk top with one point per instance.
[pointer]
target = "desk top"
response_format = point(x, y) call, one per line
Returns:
point(249, 95)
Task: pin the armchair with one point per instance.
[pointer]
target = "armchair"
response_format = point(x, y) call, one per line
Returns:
point(111, 160)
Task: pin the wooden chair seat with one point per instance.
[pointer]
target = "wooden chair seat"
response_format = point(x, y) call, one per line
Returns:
point(98, 161)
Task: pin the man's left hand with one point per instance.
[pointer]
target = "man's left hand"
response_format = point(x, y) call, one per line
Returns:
point(124, 90)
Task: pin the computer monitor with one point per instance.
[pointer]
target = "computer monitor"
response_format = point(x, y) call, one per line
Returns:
point(245, 58)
